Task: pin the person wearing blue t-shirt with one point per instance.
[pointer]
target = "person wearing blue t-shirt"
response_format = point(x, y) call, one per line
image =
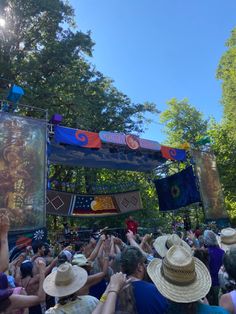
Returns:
point(184, 280)
point(140, 297)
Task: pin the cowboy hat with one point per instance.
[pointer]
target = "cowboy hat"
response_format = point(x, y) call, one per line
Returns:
point(66, 280)
point(227, 238)
point(80, 260)
point(163, 243)
point(179, 276)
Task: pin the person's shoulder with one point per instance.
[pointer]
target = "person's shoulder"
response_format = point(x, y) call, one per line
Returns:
point(89, 298)
point(226, 301)
point(147, 288)
point(143, 283)
point(211, 309)
point(53, 310)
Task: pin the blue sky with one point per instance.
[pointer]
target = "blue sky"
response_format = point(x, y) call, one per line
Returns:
point(155, 50)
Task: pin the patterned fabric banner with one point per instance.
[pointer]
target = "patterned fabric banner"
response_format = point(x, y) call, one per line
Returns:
point(121, 139)
point(128, 201)
point(87, 205)
point(77, 137)
point(148, 144)
point(59, 203)
point(22, 170)
point(177, 191)
point(111, 137)
point(173, 153)
point(210, 187)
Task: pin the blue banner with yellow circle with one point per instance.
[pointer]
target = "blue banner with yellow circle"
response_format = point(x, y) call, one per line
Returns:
point(178, 190)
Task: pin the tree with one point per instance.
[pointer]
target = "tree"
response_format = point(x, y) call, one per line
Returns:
point(227, 73)
point(224, 134)
point(41, 50)
point(183, 123)
point(224, 147)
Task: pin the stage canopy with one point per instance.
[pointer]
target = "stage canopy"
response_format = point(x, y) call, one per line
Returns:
point(108, 156)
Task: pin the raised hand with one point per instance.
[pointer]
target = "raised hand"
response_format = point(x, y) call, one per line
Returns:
point(4, 222)
point(117, 282)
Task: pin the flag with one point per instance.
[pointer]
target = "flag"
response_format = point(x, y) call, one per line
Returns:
point(173, 153)
point(77, 137)
point(94, 205)
point(178, 190)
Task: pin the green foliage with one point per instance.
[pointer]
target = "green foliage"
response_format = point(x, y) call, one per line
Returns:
point(227, 73)
point(183, 123)
point(41, 50)
point(224, 147)
point(225, 134)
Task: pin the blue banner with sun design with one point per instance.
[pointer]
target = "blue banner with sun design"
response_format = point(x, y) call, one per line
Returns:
point(178, 190)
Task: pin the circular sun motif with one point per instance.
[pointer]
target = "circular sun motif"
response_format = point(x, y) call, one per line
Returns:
point(94, 205)
point(175, 191)
point(132, 141)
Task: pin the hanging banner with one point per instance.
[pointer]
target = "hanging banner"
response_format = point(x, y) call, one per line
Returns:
point(173, 153)
point(132, 141)
point(59, 203)
point(128, 201)
point(148, 144)
point(178, 190)
point(113, 138)
point(210, 187)
point(22, 171)
point(77, 137)
point(87, 205)
point(122, 139)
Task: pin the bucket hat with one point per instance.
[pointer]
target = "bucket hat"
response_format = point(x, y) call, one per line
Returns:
point(66, 280)
point(180, 277)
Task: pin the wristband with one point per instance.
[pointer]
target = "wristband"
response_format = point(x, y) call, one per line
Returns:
point(103, 298)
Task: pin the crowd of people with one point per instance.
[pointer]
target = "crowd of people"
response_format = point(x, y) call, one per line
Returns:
point(193, 272)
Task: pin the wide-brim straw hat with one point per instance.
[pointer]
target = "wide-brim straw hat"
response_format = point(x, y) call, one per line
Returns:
point(66, 280)
point(180, 277)
point(227, 238)
point(163, 243)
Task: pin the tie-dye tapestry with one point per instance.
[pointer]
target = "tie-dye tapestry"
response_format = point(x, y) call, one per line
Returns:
point(210, 187)
point(22, 171)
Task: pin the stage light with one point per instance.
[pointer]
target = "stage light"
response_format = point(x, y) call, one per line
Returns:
point(56, 119)
point(15, 93)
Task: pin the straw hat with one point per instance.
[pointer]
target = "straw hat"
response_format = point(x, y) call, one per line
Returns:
point(227, 238)
point(66, 280)
point(163, 243)
point(80, 260)
point(179, 276)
